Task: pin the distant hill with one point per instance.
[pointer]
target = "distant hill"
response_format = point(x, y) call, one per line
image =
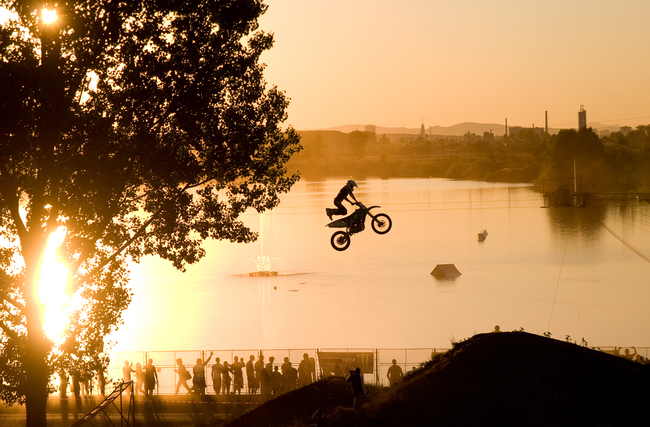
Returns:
point(600, 126)
point(456, 130)
point(459, 129)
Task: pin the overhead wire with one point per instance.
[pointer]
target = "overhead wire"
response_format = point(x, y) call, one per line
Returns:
point(620, 165)
point(636, 219)
point(509, 206)
point(557, 285)
point(555, 125)
point(623, 240)
point(277, 211)
point(637, 223)
point(636, 212)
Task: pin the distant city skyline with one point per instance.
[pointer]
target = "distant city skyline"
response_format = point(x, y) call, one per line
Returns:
point(472, 127)
point(393, 64)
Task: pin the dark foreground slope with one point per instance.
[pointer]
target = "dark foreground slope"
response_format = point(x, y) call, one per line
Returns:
point(517, 378)
point(509, 378)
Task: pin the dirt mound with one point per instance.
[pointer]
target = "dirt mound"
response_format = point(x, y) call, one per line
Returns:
point(516, 378)
point(508, 378)
point(327, 394)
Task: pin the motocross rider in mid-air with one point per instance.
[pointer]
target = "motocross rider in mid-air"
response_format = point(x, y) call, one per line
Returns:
point(338, 200)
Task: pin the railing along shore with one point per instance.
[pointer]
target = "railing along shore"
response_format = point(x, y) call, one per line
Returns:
point(374, 362)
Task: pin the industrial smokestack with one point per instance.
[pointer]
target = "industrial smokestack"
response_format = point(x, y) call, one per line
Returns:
point(546, 121)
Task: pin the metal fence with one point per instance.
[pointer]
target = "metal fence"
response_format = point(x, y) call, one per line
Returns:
point(165, 362)
point(407, 358)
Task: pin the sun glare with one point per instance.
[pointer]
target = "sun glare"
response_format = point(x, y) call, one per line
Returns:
point(49, 16)
point(53, 288)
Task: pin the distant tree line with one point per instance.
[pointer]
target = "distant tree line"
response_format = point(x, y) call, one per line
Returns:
point(617, 162)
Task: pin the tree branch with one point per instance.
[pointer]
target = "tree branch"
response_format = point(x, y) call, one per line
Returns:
point(129, 241)
point(15, 303)
point(9, 193)
point(9, 332)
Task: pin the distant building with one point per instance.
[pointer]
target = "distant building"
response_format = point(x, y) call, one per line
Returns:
point(582, 118)
point(604, 133)
point(371, 128)
point(470, 137)
point(488, 136)
point(515, 130)
point(422, 131)
point(625, 129)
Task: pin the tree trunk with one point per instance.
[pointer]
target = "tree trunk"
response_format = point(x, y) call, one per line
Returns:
point(36, 349)
point(37, 380)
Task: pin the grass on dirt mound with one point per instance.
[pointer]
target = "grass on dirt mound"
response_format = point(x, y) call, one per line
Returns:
point(508, 378)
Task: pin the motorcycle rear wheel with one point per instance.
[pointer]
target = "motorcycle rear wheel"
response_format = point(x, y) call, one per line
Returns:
point(340, 240)
point(381, 223)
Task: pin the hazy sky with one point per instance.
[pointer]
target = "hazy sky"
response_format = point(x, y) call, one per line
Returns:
point(393, 63)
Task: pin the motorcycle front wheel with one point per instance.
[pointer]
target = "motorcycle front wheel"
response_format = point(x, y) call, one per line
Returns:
point(340, 240)
point(381, 223)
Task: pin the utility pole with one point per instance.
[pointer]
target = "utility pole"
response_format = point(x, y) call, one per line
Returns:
point(506, 139)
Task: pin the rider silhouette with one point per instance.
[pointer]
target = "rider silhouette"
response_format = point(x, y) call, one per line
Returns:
point(338, 200)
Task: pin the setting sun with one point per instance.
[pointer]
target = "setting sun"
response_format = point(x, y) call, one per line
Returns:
point(49, 16)
point(53, 287)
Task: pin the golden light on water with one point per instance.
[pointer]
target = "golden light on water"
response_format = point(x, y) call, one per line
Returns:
point(53, 288)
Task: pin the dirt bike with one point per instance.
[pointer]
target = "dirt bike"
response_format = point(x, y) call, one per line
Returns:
point(356, 223)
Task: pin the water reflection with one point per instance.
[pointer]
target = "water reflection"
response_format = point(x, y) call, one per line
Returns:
point(581, 223)
point(380, 293)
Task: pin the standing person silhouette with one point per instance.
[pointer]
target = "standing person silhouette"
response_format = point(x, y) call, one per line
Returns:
point(250, 375)
point(358, 389)
point(394, 374)
point(289, 377)
point(226, 379)
point(276, 382)
point(237, 368)
point(304, 371)
point(127, 369)
point(183, 376)
point(139, 378)
point(346, 191)
point(217, 369)
point(199, 375)
point(150, 379)
point(260, 374)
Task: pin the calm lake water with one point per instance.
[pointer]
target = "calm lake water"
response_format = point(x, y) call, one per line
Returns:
point(557, 270)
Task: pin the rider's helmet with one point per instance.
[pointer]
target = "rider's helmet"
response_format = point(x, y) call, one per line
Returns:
point(351, 184)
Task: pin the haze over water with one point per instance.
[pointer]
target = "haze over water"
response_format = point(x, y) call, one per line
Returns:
point(557, 270)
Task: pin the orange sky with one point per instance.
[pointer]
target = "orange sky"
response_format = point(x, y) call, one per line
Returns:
point(393, 63)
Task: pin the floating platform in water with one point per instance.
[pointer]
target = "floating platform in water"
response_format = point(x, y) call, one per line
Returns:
point(445, 271)
point(263, 273)
point(267, 274)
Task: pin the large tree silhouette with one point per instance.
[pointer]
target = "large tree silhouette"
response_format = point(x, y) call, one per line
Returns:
point(142, 127)
point(582, 146)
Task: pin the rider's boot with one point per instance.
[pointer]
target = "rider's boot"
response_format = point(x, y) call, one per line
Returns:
point(329, 213)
